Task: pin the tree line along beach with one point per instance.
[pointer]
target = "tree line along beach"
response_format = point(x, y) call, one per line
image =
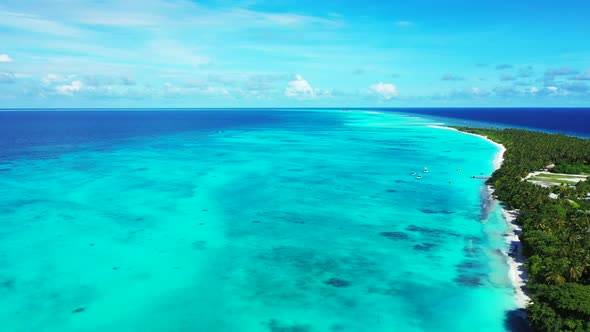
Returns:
point(549, 223)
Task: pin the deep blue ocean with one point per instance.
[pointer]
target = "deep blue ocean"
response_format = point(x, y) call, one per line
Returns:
point(30, 128)
point(22, 131)
point(571, 121)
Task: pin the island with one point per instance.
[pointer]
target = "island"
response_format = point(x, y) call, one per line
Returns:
point(543, 184)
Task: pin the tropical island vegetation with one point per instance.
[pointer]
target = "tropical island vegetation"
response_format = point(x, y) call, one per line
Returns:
point(555, 223)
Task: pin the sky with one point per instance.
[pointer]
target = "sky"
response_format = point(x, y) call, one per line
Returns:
point(279, 53)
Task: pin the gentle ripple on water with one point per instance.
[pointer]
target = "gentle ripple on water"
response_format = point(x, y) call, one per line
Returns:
point(309, 222)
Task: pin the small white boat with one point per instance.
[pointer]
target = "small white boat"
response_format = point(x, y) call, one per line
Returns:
point(413, 173)
point(425, 169)
point(459, 169)
point(419, 177)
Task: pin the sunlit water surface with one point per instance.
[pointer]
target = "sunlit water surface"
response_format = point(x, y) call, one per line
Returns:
point(265, 221)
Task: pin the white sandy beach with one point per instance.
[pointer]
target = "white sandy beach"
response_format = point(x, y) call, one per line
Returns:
point(517, 272)
point(499, 156)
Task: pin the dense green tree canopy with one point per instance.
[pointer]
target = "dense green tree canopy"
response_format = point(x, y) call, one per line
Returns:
point(556, 232)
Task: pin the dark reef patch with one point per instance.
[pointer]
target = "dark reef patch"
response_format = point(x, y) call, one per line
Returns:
point(316, 262)
point(467, 265)
point(424, 246)
point(78, 310)
point(284, 216)
point(433, 231)
point(338, 283)
point(8, 284)
point(275, 326)
point(474, 240)
point(391, 190)
point(470, 251)
point(337, 327)
point(199, 245)
point(469, 281)
point(395, 235)
point(297, 222)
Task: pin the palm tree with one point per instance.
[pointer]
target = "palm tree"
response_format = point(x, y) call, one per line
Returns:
point(575, 271)
point(554, 278)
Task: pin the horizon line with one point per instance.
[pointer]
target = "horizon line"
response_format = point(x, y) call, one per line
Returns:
point(288, 108)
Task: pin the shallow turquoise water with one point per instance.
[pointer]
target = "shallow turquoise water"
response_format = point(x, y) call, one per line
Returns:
point(293, 227)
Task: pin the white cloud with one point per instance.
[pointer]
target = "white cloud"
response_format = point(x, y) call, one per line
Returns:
point(171, 90)
point(120, 19)
point(275, 19)
point(69, 89)
point(385, 90)
point(300, 88)
point(217, 91)
point(403, 23)
point(7, 78)
point(50, 78)
point(168, 50)
point(584, 76)
point(5, 58)
point(533, 90)
point(37, 24)
point(153, 13)
point(552, 88)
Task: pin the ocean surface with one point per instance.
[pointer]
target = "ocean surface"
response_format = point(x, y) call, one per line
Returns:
point(570, 121)
point(247, 220)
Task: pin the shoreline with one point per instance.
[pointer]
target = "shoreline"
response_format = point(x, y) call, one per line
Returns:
point(517, 272)
point(498, 159)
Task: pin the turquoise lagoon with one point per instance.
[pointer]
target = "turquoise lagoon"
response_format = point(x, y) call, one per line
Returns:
point(310, 222)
